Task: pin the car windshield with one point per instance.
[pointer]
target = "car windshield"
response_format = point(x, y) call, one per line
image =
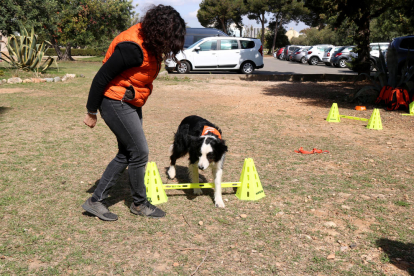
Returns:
point(195, 43)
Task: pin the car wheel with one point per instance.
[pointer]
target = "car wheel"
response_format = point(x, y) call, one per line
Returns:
point(303, 60)
point(281, 56)
point(342, 63)
point(247, 68)
point(313, 61)
point(184, 68)
point(328, 64)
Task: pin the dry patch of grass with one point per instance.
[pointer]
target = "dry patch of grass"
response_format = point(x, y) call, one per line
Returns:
point(353, 205)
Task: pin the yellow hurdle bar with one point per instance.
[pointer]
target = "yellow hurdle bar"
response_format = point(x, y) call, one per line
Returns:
point(353, 118)
point(200, 185)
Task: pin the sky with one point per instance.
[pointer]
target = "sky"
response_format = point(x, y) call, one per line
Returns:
point(188, 11)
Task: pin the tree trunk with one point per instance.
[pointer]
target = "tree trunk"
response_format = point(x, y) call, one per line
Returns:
point(362, 41)
point(262, 19)
point(57, 48)
point(274, 37)
point(68, 53)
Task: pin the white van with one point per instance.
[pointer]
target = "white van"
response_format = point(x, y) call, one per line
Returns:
point(220, 53)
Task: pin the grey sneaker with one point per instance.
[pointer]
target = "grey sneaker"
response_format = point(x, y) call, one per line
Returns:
point(98, 209)
point(146, 209)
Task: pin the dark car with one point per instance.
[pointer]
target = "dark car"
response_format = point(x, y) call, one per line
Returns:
point(403, 45)
point(340, 57)
point(195, 34)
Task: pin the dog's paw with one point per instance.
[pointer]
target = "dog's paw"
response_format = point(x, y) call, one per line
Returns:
point(220, 203)
point(171, 172)
point(198, 191)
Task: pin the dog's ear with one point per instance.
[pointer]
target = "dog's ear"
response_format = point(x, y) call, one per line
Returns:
point(222, 146)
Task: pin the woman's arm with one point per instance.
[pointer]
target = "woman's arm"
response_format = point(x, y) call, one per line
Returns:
point(125, 56)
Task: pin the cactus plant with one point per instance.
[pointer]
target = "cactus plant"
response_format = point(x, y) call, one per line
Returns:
point(25, 54)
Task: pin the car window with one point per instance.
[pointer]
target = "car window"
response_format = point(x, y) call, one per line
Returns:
point(245, 44)
point(210, 45)
point(407, 43)
point(229, 44)
point(383, 47)
point(374, 48)
point(350, 48)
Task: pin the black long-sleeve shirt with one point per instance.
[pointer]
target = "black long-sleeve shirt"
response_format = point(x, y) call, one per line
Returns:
point(126, 55)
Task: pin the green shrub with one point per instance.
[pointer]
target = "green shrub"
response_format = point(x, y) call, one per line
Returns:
point(1, 73)
point(78, 52)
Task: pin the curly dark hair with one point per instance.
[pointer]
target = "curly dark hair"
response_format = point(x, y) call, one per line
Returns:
point(163, 31)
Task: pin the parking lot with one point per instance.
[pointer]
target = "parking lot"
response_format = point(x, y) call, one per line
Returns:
point(276, 66)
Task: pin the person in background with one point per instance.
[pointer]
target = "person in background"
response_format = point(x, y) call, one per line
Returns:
point(119, 90)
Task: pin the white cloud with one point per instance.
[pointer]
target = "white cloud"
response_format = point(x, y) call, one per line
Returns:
point(193, 14)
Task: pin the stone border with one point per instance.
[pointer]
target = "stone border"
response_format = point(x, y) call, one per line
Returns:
point(38, 80)
point(263, 77)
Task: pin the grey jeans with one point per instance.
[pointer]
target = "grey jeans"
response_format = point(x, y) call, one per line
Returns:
point(125, 121)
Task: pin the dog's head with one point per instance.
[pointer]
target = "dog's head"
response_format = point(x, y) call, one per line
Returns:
point(206, 150)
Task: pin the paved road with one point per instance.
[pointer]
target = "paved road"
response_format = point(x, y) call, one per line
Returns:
point(283, 67)
point(273, 66)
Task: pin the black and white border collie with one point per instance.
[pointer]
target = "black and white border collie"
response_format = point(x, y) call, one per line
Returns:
point(202, 141)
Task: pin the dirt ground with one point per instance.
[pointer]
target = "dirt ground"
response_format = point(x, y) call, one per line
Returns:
point(346, 212)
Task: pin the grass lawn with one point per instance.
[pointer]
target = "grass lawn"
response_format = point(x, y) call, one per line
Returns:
point(346, 212)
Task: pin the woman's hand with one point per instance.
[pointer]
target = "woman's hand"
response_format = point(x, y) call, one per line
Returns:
point(90, 120)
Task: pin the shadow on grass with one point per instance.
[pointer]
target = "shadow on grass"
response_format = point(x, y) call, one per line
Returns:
point(121, 190)
point(399, 254)
point(4, 109)
point(182, 176)
point(318, 94)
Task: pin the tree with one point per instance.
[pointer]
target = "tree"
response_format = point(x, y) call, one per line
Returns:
point(284, 11)
point(71, 22)
point(359, 12)
point(256, 11)
point(220, 13)
point(281, 41)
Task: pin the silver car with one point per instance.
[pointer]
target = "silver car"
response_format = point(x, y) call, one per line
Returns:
point(299, 55)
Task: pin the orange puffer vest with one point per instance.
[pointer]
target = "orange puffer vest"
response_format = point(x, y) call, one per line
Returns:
point(140, 78)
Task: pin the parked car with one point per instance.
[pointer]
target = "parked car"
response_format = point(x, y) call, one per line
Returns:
point(340, 57)
point(279, 54)
point(220, 53)
point(299, 54)
point(195, 34)
point(327, 55)
point(315, 53)
point(375, 49)
point(403, 45)
point(288, 50)
point(294, 50)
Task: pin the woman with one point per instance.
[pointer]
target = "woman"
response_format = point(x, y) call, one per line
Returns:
point(119, 90)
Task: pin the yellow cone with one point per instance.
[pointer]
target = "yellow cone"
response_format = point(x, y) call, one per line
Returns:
point(155, 190)
point(333, 116)
point(411, 109)
point(375, 121)
point(251, 188)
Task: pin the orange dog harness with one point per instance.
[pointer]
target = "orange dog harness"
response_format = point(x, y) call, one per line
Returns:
point(208, 129)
